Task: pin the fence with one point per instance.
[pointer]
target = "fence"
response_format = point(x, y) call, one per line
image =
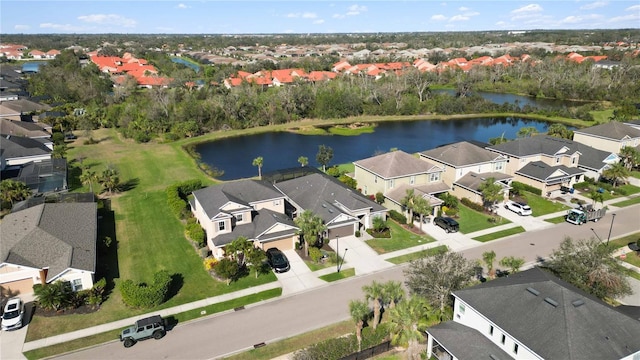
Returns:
point(370, 352)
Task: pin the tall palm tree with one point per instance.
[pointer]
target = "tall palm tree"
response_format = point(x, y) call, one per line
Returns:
point(422, 207)
point(408, 202)
point(375, 292)
point(12, 191)
point(616, 173)
point(359, 311)
point(311, 226)
point(303, 160)
point(237, 249)
point(259, 161)
point(630, 157)
point(393, 292)
point(407, 322)
point(110, 180)
point(87, 178)
point(528, 131)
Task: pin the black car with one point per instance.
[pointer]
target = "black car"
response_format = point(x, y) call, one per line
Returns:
point(448, 224)
point(278, 260)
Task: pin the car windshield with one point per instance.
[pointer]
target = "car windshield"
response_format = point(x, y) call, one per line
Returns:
point(11, 315)
point(278, 259)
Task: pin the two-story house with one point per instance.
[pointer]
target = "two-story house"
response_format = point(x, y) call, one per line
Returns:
point(467, 165)
point(394, 173)
point(533, 315)
point(611, 136)
point(247, 208)
point(548, 163)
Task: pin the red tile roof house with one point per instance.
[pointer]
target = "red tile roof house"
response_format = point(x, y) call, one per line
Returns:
point(37, 54)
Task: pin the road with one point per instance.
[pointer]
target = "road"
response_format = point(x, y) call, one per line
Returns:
point(216, 336)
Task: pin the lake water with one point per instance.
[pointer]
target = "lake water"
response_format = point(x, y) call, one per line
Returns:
point(184, 62)
point(500, 99)
point(281, 150)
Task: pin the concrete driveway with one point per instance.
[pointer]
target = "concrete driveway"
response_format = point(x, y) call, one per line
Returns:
point(529, 223)
point(358, 255)
point(299, 277)
point(9, 339)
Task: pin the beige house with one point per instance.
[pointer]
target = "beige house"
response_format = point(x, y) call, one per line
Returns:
point(467, 166)
point(396, 172)
point(611, 136)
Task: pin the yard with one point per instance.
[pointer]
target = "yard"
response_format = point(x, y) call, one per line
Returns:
point(472, 221)
point(400, 239)
point(620, 191)
point(541, 206)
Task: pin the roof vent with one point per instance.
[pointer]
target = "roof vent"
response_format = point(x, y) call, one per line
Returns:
point(533, 291)
point(551, 302)
point(493, 357)
point(331, 211)
point(324, 205)
point(578, 302)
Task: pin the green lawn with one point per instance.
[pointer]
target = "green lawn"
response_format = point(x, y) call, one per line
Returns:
point(472, 221)
point(541, 206)
point(556, 220)
point(417, 255)
point(635, 174)
point(628, 202)
point(500, 234)
point(343, 274)
point(627, 190)
point(633, 259)
point(400, 239)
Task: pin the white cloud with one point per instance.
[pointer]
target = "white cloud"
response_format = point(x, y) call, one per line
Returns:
point(318, 22)
point(526, 13)
point(459, 18)
point(338, 16)
point(625, 18)
point(108, 19)
point(439, 17)
point(309, 15)
point(62, 27)
point(594, 5)
point(580, 19)
point(633, 8)
point(356, 10)
point(527, 9)
point(183, 6)
point(462, 8)
point(22, 27)
point(293, 15)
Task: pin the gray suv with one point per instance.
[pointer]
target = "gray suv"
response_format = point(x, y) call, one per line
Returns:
point(151, 327)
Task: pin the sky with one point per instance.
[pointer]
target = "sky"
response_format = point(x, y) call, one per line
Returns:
point(311, 16)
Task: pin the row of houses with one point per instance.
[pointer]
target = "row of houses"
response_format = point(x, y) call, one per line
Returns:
point(22, 52)
point(120, 68)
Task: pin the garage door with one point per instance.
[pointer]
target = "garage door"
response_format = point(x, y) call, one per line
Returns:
point(342, 231)
point(284, 244)
point(20, 286)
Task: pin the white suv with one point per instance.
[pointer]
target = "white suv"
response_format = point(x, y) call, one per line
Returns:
point(521, 209)
point(13, 313)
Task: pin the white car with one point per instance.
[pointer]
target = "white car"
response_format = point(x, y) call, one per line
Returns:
point(12, 315)
point(519, 208)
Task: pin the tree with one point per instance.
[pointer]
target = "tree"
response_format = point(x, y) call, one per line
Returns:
point(435, 277)
point(513, 263)
point(630, 157)
point(498, 140)
point(311, 226)
point(110, 180)
point(53, 296)
point(359, 311)
point(408, 203)
point(596, 196)
point(617, 173)
point(489, 257)
point(303, 160)
point(256, 257)
point(528, 131)
point(393, 293)
point(324, 156)
point(238, 248)
point(59, 151)
point(12, 191)
point(407, 323)
point(422, 207)
point(491, 191)
point(87, 178)
point(227, 269)
point(380, 198)
point(349, 181)
point(258, 162)
point(379, 224)
point(559, 130)
point(375, 292)
point(590, 266)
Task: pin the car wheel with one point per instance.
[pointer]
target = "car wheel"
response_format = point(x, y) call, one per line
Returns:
point(158, 334)
point(128, 342)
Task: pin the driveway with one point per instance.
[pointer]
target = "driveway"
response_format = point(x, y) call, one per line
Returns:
point(529, 223)
point(299, 277)
point(358, 255)
point(9, 339)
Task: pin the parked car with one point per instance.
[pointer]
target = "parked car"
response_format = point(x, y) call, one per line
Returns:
point(13, 314)
point(448, 224)
point(278, 260)
point(150, 327)
point(70, 136)
point(519, 208)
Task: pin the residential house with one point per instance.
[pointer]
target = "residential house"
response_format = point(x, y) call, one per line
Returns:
point(611, 136)
point(23, 128)
point(343, 210)
point(396, 172)
point(548, 163)
point(253, 209)
point(533, 315)
point(47, 243)
point(19, 150)
point(467, 165)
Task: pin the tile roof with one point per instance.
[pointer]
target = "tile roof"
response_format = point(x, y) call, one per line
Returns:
point(396, 164)
point(612, 130)
point(575, 326)
point(460, 154)
point(57, 236)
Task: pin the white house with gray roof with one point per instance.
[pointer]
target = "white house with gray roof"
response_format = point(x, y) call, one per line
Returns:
point(533, 315)
point(47, 243)
point(611, 136)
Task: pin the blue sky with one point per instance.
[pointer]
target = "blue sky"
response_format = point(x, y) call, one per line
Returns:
point(251, 17)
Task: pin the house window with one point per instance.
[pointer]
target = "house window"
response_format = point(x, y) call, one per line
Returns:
point(239, 217)
point(515, 349)
point(412, 180)
point(557, 160)
point(390, 184)
point(499, 166)
point(490, 329)
point(375, 179)
point(434, 177)
point(461, 309)
point(574, 160)
point(504, 338)
point(276, 202)
point(76, 284)
point(220, 225)
point(365, 190)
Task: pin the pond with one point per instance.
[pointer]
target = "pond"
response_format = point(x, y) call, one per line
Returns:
point(281, 150)
point(187, 63)
point(520, 100)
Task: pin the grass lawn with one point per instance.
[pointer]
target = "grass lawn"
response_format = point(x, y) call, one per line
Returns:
point(417, 255)
point(624, 241)
point(345, 130)
point(500, 234)
point(541, 206)
point(633, 259)
point(181, 317)
point(627, 190)
point(635, 174)
point(556, 220)
point(400, 239)
point(343, 274)
point(472, 221)
point(628, 202)
point(148, 236)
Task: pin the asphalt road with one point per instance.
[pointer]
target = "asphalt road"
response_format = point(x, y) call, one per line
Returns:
point(216, 336)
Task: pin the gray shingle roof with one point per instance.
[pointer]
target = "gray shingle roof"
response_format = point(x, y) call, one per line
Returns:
point(541, 171)
point(472, 180)
point(426, 191)
point(54, 235)
point(17, 146)
point(534, 145)
point(243, 192)
point(612, 130)
point(396, 164)
point(590, 157)
point(22, 128)
point(579, 326)
point(466, 343)
point(262, 221)
point(460, 154)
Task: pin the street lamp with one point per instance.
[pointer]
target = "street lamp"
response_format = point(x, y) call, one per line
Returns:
point(337, 254)
point(596, 235)
point(343, 256)
point(613, 217)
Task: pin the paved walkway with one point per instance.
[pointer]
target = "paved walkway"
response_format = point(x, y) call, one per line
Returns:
point(357, 255)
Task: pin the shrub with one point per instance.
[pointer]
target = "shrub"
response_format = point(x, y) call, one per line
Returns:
point(396, 216)
point(449, 200)
point(90, 141)
point(343, 346)
point(203, 252)
point(470, 204)
point(358, 233)
point(452, 212)
point(335, 171)
point(315, 254)
point(582, 185)
point(210, 263)
point(227, 270)
point(195, 232)
point(144, 295)
point(177, 196)
point(524, 187)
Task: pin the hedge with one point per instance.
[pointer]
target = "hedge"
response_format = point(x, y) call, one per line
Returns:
point(518, 187)
point(337, 348)
point(177, 196)
point(470, 204)
point(144, 295)
point(397, 217)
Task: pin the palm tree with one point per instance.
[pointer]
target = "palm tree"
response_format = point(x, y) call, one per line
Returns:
point(528, 131)
point(303, 160)
point(489, 257)
point(559, 130)
point(596, 196)
point(407, 322)
point(375, 292)
point(87, 179)
point(311, 226)
point(616, 173)
point(258, 162)
point(12, 191)
point(422, 207)
point(359, 311)
point(393, 292)
point(408, 202)
point(110, 180)
point(238, 248)
point(491, 192)
point(630, 157)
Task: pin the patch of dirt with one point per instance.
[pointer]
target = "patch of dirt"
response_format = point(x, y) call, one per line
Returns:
point(84, 309)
